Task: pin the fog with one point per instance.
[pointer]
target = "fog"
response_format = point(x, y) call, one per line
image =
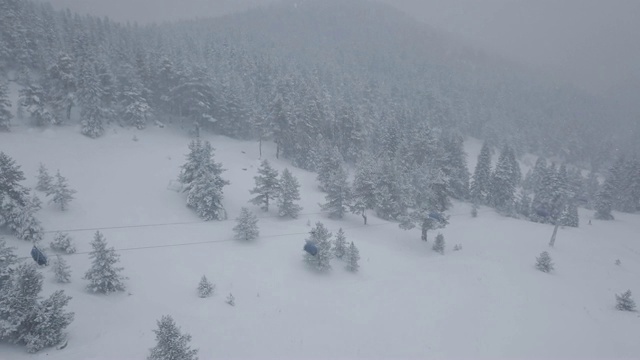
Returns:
point(590, 43)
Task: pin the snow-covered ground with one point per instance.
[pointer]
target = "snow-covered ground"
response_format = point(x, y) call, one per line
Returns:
point(486, 301)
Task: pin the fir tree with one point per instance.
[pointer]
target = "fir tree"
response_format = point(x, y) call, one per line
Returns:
point(364, 190)
point(171, 343)
point(543, 262)
point(321, 237)
point(231, 300)
point(49, 322)
point(45, 181)
point(438, 245)
point(289, 192)
point(353, 256)
point(338, 194)
point(205, 288)
point(63, 242)
point(247, 225)
point(481, 180)
point(625, 302)
point(340, 245)
point(61, 192)
point(104, 277)
point(61, 270)
point(5, 104)
point(267, 185)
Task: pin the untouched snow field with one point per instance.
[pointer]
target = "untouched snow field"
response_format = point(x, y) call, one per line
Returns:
point(486, 301)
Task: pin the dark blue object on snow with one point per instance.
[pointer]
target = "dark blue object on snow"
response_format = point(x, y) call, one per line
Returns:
point(311, 248)
point(38, 256)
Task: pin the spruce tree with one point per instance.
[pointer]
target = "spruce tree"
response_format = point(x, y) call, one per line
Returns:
point(321, 237)
point(45, 181)
point(205, 287)
point(267, 185)
point(353, 256)
point(246, 225)
point(338, 194)
point(5, 104)
point(544, 263)
point(364, 190)
point(63, 242)
point(625, 302)
point(481, 180)
point(61, 192)
point(171, 343)
point(289, 193)
point(61, 270)
point(104, 277)
point(438, 245)
point(340, 245)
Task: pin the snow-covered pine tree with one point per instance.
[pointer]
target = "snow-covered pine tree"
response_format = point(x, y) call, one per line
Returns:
point(364, 189)
point(18, 301)
point(544, 263)
point(481, 180)
point(604, 201)
point(5, 104)
point(338, 194)
point(438, 245)
point(246, 225)
point(171, 344)
point(625, 302)
point(203, 181)
point(61, 192)
point(61, 270)
point(321, 237)
point(8, 258)
point(45, 181)
point(104, 277)
point(63, 242)
point(353, 256)
point(289, 193)
point(267, 185)
point(205, 287)
point(340, 245)
point(49, 320)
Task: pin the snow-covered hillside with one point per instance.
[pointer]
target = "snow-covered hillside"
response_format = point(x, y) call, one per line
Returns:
point(485, 301)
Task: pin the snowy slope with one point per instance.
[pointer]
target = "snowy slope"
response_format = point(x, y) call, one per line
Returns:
point(486, 301)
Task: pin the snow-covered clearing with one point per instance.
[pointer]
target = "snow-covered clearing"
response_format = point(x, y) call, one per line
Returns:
point(486, 301)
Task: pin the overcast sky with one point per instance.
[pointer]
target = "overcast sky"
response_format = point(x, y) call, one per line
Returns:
point(592, 43)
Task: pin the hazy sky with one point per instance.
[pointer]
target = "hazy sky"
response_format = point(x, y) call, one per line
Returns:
point(593, 43)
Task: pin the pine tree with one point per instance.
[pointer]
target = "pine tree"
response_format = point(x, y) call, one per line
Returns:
point(5, 104)
point(543, 262)
point(340, 245)
point(49, 321)
point(438, 245)
point(625, 302)
point(481, 180)
point(604, 201)
point(247, 225)
point(289, 192)
point(104, 277)
point(338, 194)
point(364, 190)
point(321, 237)
point(353, 255)
point(63, 242)
point(267, 185)
point(61, 192)
point(61, 270)
point(171, 343)
point(205, 288)
point(45, 181)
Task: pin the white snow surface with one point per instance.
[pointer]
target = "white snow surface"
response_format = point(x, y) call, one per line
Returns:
point(486, 301)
